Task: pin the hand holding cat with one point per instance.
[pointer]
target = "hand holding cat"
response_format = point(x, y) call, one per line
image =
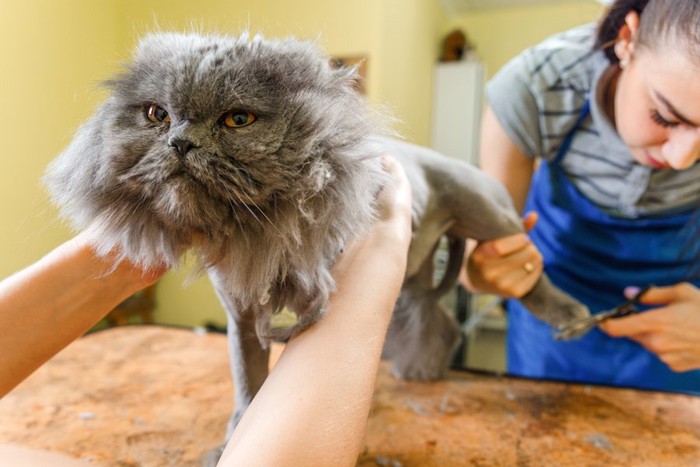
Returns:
point(508, 266)
point(334, 362)
point(391, 233)
point(54, 301)
point(670, 331)
point(394, 202)
point(115, 264)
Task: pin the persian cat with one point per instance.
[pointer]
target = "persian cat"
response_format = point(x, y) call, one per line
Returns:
point(260, 157)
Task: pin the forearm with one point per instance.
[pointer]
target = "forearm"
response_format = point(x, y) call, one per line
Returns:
point(313, 408)
point(54, 301)
point(503, 160)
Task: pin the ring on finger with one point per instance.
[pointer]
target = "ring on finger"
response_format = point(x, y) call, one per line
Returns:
point(528, 267)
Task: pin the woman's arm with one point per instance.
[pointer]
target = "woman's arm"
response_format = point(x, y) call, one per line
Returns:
point(313, 407)
point(670, 331)
point(499, 266)
point(503, 160)
point(49, 304)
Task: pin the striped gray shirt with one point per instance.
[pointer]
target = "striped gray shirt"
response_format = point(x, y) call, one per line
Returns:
point(537, 98)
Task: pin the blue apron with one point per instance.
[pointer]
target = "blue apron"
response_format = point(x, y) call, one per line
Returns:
point(593, 256)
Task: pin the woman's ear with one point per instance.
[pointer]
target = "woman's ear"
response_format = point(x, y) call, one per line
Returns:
point(624, 44)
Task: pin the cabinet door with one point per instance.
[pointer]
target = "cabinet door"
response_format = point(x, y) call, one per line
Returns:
point(457, 107)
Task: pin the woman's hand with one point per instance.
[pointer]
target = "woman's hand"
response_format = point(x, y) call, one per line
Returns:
point(112, 268)
point(672, 331)
point(391, 234)
point(52, 302)
point(320, 391)
point(508, 266)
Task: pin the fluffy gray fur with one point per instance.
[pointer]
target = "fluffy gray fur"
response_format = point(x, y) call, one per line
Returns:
point(271, 203)
point(267, 207)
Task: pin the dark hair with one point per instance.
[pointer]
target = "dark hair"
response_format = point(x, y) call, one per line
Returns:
point(660, 19)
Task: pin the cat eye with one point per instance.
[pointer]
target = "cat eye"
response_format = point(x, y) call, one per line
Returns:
point(238, 118)
point(157, 114)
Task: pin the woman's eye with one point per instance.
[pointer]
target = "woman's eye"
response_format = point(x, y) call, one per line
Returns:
point(238, 118)
point(157, 114)
point(659, 120)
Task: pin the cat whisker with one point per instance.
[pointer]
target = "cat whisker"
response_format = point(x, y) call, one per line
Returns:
point(249, 210)
point(235, 215)
point(118, 187)
point(265, 216)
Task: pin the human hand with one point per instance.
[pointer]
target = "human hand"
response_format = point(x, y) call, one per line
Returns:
point(670, 331)
point(508, 266)
point(394, 204)
point(113, 266)
point(336, 359)
point(391, 233)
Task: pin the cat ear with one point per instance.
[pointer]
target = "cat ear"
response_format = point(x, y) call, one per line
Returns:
point(347, 75)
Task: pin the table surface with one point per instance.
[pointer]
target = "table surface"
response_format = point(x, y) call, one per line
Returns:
point(159, 396)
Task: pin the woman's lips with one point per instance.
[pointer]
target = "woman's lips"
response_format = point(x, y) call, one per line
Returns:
point(653, 163)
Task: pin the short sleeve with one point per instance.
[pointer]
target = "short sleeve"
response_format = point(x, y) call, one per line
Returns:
point(538, 95)
point(515, 107)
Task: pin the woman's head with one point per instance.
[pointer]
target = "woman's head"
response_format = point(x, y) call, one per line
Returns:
point(656, 44)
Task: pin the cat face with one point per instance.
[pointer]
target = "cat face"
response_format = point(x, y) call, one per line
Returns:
point(208, 131)
point(256, 154)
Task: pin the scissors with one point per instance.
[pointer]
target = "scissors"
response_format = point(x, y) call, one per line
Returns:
point(581, 326)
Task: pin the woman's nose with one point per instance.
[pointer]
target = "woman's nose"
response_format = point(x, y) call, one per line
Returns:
point(682, 149)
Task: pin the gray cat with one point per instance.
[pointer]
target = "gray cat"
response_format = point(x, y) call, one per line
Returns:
point(262, 159)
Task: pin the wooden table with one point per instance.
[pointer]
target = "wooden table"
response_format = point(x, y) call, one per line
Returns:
point(158, 396)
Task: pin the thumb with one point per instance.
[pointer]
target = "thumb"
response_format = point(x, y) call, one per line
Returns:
point(529, 220)
point(653, 296)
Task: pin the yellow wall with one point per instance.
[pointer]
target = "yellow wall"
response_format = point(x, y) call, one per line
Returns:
point(51, 57)
point(499, 34)
point(54, 52)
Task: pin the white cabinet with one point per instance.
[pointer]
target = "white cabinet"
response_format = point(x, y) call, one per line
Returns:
point(457, 107)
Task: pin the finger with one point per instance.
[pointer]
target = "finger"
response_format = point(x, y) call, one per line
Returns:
point(632, 325)
point(529, 220)
point(512, 275)
point(396, 195)
point(506, 245)
point(390, 164)
point(658, 295)
point(485, 258)
point(680, 361)
point(676, 357)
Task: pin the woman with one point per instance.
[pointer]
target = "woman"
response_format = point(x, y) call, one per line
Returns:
point(612, 116)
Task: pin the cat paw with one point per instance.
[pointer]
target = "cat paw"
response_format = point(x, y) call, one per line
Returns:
point(552, 305)
point(419, 373)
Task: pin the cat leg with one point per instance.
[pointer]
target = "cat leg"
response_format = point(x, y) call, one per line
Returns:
point(482, 210)
point(249, 364)
point(456, 194)
point(422, 337)
point(249, 359)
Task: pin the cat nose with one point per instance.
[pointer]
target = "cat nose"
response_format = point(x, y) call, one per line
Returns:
point(182, 145)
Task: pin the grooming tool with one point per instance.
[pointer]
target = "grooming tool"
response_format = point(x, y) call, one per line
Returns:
point(579, 327)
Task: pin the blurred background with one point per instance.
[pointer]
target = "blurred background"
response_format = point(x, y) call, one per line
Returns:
point(55, 53)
